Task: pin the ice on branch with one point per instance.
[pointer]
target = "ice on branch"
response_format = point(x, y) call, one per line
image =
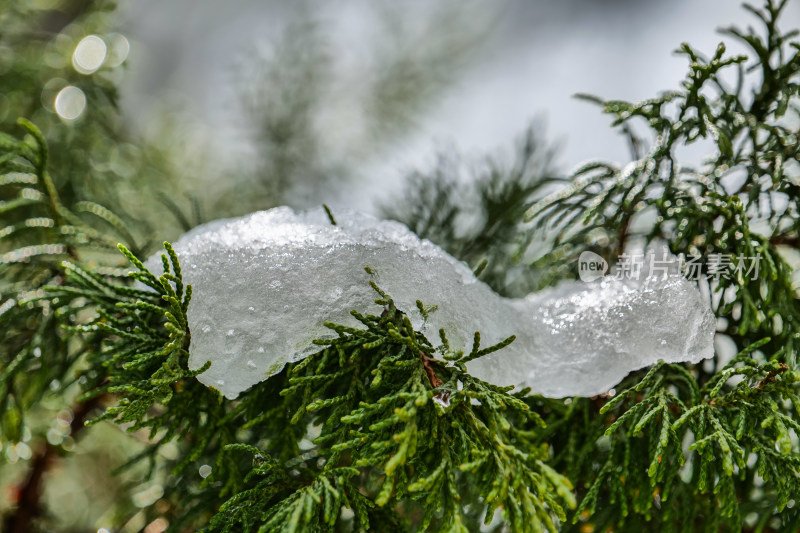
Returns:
point(265, 283)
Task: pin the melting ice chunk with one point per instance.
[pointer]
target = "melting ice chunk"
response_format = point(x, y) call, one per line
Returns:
point(274, 276)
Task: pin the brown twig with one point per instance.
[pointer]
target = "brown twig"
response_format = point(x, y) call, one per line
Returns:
point(785, 240)
point(442, 396)
point(427, 363)
point(770, 377)
point(29, 493)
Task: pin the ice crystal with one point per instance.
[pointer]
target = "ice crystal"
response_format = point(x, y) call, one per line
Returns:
point(264, 284)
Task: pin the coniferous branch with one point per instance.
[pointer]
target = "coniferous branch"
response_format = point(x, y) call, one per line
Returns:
point(142, 364)
point(38, 233)
point(733, 433)
point(289, 93)
point(381, 430)
point(47, 293)
point(640, 473)
point(699, 212)
point(38, 356)
point(398, 426)
point(415, 428)
point(478, 218)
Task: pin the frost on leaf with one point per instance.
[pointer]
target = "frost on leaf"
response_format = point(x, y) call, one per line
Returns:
point(265, 283)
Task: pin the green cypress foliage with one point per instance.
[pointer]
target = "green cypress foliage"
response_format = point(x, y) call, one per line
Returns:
point(383, 429)
point(684, 448)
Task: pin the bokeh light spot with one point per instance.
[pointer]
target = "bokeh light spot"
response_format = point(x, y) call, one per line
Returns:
point(50, 91)
point(159, 525)
point(70, 102)
point(89, 54)
point(118, 49)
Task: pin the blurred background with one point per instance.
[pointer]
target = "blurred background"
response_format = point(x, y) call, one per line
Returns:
point(175, 112)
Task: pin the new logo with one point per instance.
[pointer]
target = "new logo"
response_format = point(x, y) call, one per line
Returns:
point(591, 266)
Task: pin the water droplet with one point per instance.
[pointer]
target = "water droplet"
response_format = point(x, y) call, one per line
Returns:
point(251, 364)
point(251, 309)
point(231, 332)
point(260, 349)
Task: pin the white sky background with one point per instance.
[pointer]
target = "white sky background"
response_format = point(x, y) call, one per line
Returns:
point(536, 55)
